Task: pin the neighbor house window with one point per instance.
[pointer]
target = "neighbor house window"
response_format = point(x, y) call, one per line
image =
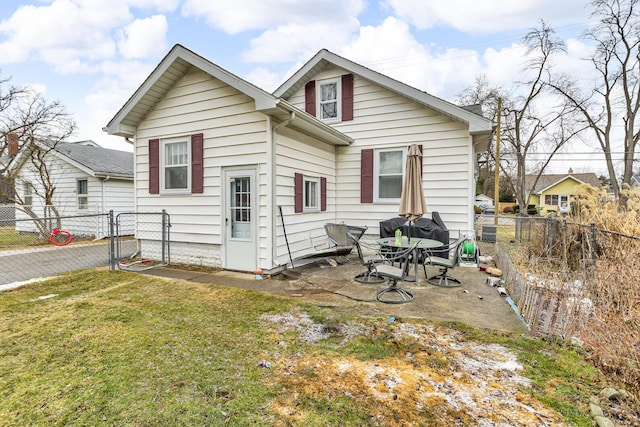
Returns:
point(175, 164)
point(28, 194)
point(551, 200)
point(311, 194)
point(328, 97)
point(389, 172)
point(82, 192)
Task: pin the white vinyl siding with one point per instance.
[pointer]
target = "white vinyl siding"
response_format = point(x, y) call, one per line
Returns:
point(234, 134)
point(310, 158)
point(384, 119)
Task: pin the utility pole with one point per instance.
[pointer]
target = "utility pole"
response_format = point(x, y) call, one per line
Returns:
point(496, 192)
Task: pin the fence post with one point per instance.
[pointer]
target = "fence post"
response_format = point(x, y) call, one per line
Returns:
point(550, 222)
point(164, 234)
point(112, 253)
point(592, 240)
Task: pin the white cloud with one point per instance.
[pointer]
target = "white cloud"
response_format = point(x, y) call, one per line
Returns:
point(144, 38)
point(243, 15)
point(71, 34)
point(488, 16)
point(265, 79)
point(391, 49)
point(289, 42)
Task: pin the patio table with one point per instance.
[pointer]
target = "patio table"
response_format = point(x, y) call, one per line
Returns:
point(422, 244)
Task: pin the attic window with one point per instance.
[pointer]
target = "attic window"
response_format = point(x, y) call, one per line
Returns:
point(328, 96)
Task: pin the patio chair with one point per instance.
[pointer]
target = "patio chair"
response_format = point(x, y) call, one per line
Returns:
point(394, 274)
point(337, 242)
point(370, 261)
point(443, 279)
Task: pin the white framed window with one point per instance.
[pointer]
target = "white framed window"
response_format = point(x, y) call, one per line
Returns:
point(311, 194)
point(389, 169)
point(329, 96)
point(82, 193)
point(176, 165)
point(27, 196)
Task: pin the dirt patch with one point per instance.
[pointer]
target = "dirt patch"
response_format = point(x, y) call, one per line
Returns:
point(444, 379)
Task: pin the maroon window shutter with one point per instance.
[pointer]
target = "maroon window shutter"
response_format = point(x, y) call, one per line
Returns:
point(323, 194)
point(197, 163)
point(154, 166)
point(310, 97)
point(420, 148)
point(366, 176)
point(347, 97)
point(298, 188)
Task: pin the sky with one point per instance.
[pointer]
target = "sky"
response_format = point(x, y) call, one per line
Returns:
point(92, 55)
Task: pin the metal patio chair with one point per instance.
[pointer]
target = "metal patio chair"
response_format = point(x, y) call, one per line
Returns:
point(442, 279)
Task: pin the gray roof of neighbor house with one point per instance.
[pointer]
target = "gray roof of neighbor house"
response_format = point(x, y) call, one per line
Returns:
point(101, 161)
point(470, 114)
point(87, 156)
point(549, 180)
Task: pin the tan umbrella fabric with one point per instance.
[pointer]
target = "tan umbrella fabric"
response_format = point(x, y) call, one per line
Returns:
point(412, 204)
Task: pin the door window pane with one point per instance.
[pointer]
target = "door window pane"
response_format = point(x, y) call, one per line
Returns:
point(241, 208)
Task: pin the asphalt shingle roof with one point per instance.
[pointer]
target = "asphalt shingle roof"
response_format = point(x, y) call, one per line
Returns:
point(100, 160)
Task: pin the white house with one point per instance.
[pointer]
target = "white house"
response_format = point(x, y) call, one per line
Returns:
point(87, 179)
point(248, 177)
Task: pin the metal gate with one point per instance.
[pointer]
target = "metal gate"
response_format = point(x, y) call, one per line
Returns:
point(151, 231)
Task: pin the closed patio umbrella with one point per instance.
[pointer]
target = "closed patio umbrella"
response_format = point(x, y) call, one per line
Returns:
point(412, 204)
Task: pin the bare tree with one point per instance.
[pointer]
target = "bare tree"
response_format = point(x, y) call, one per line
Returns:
point(38, 125)
point(614, 100)
point(536, 122)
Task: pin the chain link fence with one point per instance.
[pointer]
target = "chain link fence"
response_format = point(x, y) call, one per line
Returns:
point(34, 245)
point(152, 232)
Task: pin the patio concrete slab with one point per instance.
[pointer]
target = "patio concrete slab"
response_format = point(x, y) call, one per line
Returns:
point(475, 303)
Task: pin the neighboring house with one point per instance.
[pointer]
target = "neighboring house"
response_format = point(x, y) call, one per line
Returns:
point(635, 182)
point(249, 177)
point(484, 199)
point(553, 192)
point(88, 179)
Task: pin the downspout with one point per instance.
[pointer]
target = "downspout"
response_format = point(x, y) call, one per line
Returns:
point(274, 188)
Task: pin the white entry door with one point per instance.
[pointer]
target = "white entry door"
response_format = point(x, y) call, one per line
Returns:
point(240, 219)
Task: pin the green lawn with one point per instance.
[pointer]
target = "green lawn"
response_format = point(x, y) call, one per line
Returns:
point(9, 238)
point(99, 348)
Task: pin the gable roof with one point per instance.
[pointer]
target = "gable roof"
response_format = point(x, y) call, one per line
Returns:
point(177, 63)
point(88, 157)
point(549, 180)
point(477, 123)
